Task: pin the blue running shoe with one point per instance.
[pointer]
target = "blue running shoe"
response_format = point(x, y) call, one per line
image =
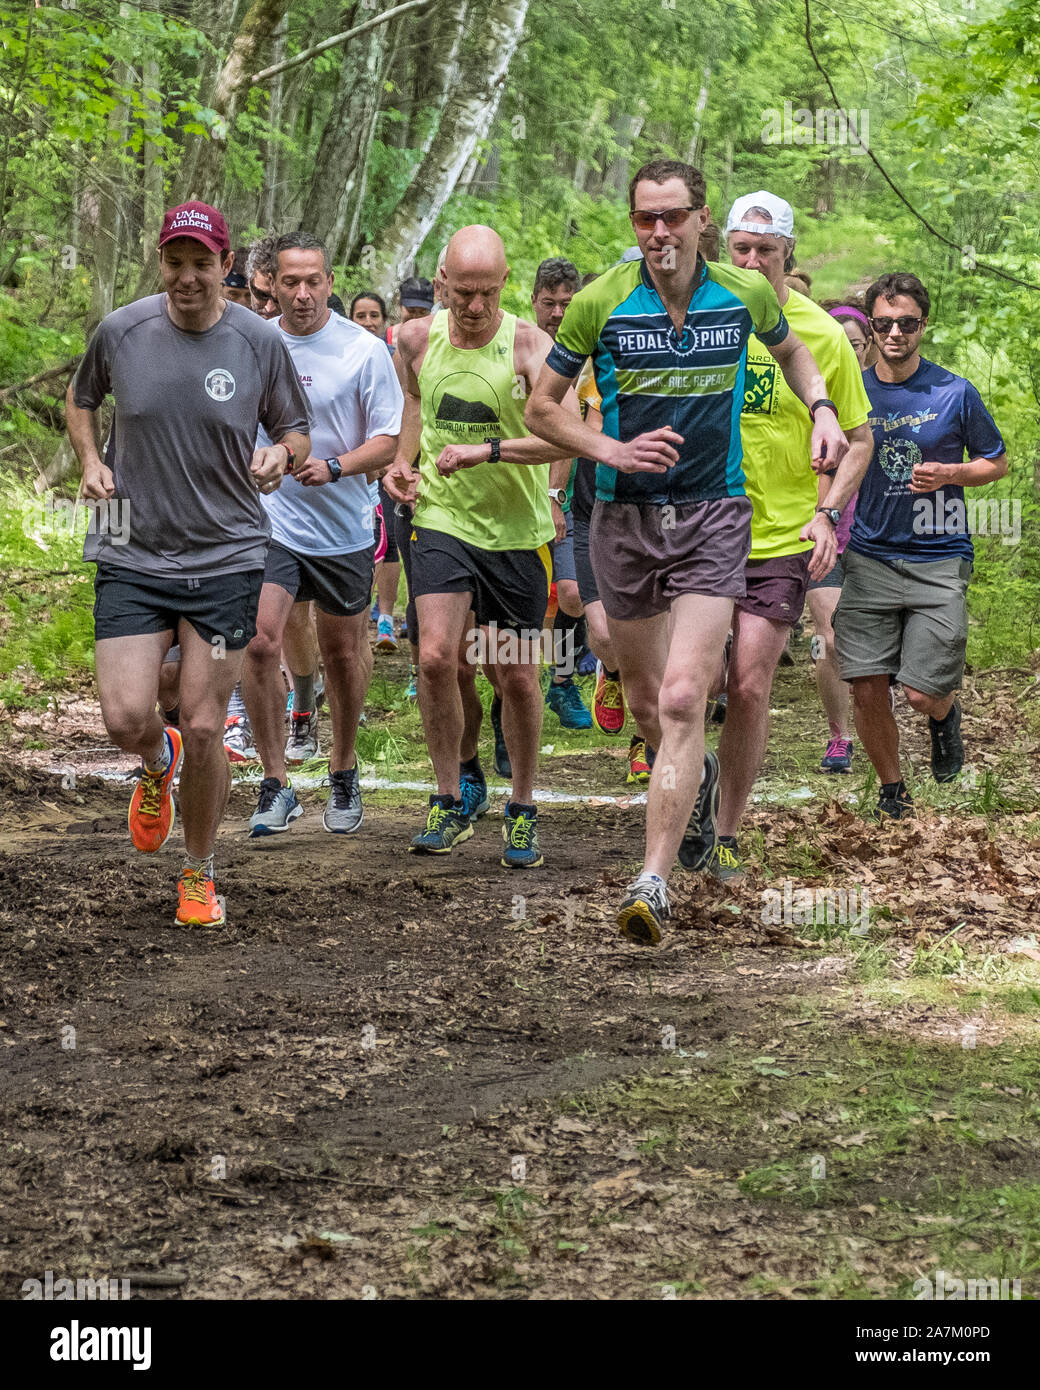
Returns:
point(474, 795)
point(446, 825)
point(566, 703)
point(520, 833)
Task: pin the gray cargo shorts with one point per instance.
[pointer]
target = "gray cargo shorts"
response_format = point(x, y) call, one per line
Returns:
point(903, 619)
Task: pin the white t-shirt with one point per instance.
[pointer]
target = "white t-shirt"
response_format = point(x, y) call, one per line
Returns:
point(353, 394)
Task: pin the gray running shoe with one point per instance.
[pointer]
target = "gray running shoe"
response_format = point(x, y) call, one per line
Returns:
point(344, 813)
point(277, 808)
point(645, 910)
point(700, 839)
point(302, 743)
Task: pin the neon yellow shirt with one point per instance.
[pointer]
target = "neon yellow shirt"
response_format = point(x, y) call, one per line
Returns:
point(469, 395)
point(776, 428)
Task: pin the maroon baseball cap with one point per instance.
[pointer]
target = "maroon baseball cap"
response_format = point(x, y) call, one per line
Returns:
point(198, 221)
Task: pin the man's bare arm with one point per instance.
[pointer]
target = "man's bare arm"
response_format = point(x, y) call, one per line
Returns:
point(850, 471)
point(829, 445)
point(82, 426)
point(653, 452)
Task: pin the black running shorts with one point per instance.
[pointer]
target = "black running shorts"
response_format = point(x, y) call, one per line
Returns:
point(128, 603)
point(509, 587)
point(341, 585)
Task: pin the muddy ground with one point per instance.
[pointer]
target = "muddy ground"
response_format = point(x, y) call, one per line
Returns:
point(390, 1077)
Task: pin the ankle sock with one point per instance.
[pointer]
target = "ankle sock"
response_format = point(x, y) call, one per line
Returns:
point(161, 760)
point(193, 865)
point(471, 768)
point(894, 791)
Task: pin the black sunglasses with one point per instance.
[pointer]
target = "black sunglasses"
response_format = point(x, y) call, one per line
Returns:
point(906, 324)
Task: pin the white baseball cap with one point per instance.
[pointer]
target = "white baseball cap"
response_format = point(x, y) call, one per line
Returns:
point(780, 211)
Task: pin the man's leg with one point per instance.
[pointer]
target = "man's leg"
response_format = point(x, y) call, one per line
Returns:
point(347, 658)
point(834, 692)
point(262, 685)
point(521, 714)
point(205, 785)
point(599, 636)
point(876, 725)
point(472, 709)
point(300, 648)
point(757, 644)
point(442, 624)
point(641, 651)
point(698, 634)
point(388, 579)
point(128, 688)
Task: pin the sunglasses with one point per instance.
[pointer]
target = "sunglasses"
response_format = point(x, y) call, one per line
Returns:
point(906, 324)
point(646, 220)
point(262, 296)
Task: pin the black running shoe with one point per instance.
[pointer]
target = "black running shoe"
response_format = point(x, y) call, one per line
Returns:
point(947, 748)
point(896, 803)
point(701, 837)
point(502, 764)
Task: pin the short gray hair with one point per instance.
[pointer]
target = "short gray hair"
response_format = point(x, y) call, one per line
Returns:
point(261, 258)
point(298, 241)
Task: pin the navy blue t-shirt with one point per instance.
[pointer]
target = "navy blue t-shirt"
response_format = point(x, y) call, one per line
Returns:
point(932, 417)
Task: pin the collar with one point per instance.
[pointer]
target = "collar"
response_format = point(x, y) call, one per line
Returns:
point(699, 277)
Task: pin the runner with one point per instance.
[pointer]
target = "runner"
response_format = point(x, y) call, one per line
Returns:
point(794, 513)
point(481, 531)
point(321, 545)
point(822, 597)
point(261, 287)
point(556, 282)
point(903, 607)
point(415, 297)
point(235, 285)
point(670, 530)
point(191, 375)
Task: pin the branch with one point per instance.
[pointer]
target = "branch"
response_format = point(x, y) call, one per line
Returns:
point(309, 53)
point(979, 265)
point(64, 370)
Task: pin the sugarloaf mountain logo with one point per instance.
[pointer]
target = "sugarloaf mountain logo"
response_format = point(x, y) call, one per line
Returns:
point(466, 404)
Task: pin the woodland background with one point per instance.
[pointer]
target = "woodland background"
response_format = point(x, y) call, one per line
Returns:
point(529, 116)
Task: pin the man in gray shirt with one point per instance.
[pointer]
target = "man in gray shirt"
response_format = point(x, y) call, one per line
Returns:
point(192, 376)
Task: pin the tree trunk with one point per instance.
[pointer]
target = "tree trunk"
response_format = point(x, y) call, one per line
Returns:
point(693, 153)
point(203, 168)
point(484, 62)
point(272, 161)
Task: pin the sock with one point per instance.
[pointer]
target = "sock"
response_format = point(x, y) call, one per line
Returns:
point(893, 791)
point(471, 768)
point(939, 723)
point(581, 633)
point(172, 715)
point(516, 808)
point(236, 705)
point(161, 759)
point(611, 675)
point(564, 646)
point(303, 693)
point(193, 865)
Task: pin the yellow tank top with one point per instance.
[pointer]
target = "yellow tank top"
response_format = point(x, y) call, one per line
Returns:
point(469, 395)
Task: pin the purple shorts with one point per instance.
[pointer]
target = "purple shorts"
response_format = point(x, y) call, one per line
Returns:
point(644, 556)
point(776, 588)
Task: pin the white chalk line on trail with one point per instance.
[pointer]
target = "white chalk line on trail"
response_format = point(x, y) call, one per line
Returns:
point(308, 781)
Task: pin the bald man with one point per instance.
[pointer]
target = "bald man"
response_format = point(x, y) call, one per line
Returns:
point(481, 534)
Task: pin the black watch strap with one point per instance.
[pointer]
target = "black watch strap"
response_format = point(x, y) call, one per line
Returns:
point(335, 468)
point(823, 403)
point(496, 450)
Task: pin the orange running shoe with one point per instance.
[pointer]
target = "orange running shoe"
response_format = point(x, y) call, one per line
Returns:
point(197, 901)
point(608, 708)
point(152, 814)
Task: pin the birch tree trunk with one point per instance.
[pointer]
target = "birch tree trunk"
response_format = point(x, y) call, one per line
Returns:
point(484, 62)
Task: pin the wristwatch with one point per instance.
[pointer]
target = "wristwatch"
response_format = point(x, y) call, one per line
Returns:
point(820, 404)
point(496, 450)
point(831, 513)
point(291, 459)
point(558, 494)
point(335, 468)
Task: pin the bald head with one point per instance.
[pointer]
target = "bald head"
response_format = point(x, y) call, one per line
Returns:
point(475, 270)
point(477, 250)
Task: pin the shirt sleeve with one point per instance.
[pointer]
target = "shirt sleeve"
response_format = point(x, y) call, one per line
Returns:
point(382, 399)
point(770, 325)
point(577, 335)
point(93, 380)
point(982, 439)
point(845, 385)
point(283, 407)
